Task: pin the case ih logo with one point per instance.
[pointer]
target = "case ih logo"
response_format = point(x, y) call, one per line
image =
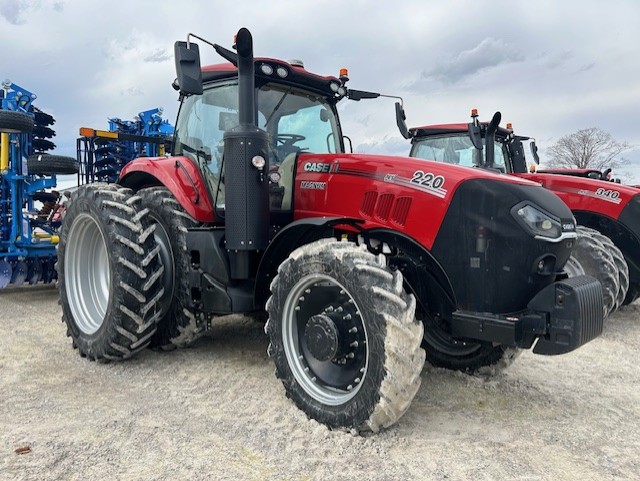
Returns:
point(317, 167)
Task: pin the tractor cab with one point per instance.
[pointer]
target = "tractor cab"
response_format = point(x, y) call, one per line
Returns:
point(469, 144)
point(295, 109)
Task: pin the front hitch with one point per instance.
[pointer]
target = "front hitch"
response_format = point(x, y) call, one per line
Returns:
point(562, 317)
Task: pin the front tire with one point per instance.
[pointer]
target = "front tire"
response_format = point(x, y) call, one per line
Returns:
point(108, 273)
point(344, 337)
point(177, 326)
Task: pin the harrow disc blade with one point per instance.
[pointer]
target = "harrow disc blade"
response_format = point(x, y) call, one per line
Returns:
point(19, 273)
point(34, 274)
point(5, 274)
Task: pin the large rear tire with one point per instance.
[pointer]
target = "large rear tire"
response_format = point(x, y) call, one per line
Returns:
point(632, 294)
point(618, 259)
point(177, 326)
point(109, 275)
point(343, 335)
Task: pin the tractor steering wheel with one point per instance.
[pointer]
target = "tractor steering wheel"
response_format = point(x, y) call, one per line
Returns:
point(284, 145)
point(287, 140)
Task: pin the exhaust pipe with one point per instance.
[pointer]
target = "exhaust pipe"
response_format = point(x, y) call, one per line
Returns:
point(245, 172)
point(490, 139)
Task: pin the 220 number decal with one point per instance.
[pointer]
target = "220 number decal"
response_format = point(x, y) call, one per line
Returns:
point(427, 179)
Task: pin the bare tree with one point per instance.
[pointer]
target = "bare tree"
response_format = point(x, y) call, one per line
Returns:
point(590, 148)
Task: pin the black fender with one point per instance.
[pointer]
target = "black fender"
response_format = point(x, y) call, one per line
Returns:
point(422, 272)
point(288, 239)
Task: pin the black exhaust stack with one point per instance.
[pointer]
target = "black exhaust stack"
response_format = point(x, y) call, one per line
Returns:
point(245, 172)
point(490, 139)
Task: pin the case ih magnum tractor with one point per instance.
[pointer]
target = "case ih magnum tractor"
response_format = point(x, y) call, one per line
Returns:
point(358, 259)
point(607, 213)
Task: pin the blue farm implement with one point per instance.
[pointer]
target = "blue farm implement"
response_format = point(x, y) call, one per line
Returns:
point(30, 208)
point(103, 153)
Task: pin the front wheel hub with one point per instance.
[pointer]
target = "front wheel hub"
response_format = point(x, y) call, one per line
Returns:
point(322, 338)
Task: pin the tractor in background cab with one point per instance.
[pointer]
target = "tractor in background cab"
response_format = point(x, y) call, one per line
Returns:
point(607, 213)
point(364, 264)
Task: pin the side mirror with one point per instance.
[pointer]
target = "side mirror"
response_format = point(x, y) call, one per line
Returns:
point(361, 94)
point(475, 134)
point(188, 68)
point(400, 120)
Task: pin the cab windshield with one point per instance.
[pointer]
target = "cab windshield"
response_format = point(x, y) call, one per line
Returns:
point(456, 149)
point(295, 121)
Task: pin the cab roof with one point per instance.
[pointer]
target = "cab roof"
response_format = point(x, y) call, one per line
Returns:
point(440, 129)
point(296, 76)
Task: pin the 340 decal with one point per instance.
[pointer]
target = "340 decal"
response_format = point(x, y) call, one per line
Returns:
point(427, 179)
point(609, 194)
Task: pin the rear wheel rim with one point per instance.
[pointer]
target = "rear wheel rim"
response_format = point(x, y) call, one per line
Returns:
point(328, 382)
point(87, 274)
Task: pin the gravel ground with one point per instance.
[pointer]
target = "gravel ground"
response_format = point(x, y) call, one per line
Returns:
point(216, 411)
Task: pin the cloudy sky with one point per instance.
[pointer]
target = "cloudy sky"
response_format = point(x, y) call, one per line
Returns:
point(550, 67)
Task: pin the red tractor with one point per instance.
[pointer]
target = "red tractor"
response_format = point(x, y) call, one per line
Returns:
point(607, 213)
point(359, 260)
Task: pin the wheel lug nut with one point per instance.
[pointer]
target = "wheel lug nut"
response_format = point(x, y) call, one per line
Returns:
point(307, 291)
point(356, 380)
point(362, 369)
point(329, 309)
point(351, 355)
point(349, 387)
point(297, 308)
point(353, 330)
point(354, 344)
point(339, 309)
point(301, 299)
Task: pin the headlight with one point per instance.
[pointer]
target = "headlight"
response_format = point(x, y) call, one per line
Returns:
point(539, 223)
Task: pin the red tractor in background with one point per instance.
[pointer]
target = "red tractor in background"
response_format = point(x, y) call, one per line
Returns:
point(607, 213)
point(360, 261)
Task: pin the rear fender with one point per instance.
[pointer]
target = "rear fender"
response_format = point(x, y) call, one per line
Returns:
point(178, 174)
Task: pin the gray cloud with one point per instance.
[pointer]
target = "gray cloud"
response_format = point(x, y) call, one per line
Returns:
point(12, 11)
point(556, 60)
point(159, 55)
point(58, 6)
point(389, 145)
point(489, 53)
point(132, 92)
point(586, 67)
